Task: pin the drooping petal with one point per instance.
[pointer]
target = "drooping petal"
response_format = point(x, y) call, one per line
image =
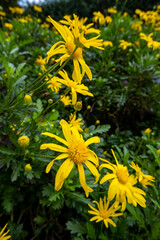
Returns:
point(112, 189)
point(85, 68)
point(111, 222)
point(82, 180)
point(56, 137)
point(93, 158)
point(92, 140)
point(107, 177)
point(53, 147)
point(63, 173)
point(93, 170)
point(106, 166)
point(61, 156)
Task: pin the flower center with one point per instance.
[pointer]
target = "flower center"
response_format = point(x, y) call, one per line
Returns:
point(70, 46)
point(122, 174)
point(104, 213)
point(78, 152)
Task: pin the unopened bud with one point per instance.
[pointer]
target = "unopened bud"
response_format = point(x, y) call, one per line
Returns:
point(78, 106)
point(27, 99)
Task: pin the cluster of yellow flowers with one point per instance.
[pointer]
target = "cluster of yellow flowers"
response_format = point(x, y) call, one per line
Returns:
point(16, 10)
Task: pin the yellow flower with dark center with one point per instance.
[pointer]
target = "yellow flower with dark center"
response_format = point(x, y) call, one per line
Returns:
point(122, 185)
point(74, 86)
point(23, 141)
point(3, 235)
point(124, 44)
point(65, 100)
point(104, 213)
point(144, 179)
point(77, 152)
point(73, 122)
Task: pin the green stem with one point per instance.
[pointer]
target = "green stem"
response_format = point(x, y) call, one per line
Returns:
point(139, 147)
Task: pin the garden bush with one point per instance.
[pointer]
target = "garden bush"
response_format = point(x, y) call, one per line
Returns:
point(80, 138)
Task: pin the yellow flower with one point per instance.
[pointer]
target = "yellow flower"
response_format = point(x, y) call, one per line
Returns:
point(108, 43)
point(3, 235)
point(73, 122)
point(67, 47)
point(77, 152)
point(27, 99)
point(8, 25)
point(23, 141)
point(103, 213)
point(3, 14)
point(88, 107)
point(65, 99)
point(97, 122)
point(78, 106)
point(147, 131)
point(144, 179)
point(108, 19)
point(74, 86)
point(16, 10)
point(154, 44)
point(125, 14)
point(122, 185)
point(124, 44)
point(40, 61)
point(54, 84)
point(146, 38)
point(37, 8)
point(28, 167)
point(98, 17)
point(137, 26)
point(112, 10)
point(158, 150)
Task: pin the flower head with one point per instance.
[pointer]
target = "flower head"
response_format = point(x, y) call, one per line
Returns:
point(3, 235)
point(73, 122)
point(65, 100)
point(148, 130)
point(76, 151)
point(98, 17)
point(103, 213)
point(23, 141)
point(122, 185)
point(144, 179)
point(54, 84)
point(37, 8)
point(124, 44)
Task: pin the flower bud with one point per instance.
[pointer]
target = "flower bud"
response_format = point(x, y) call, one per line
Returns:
point(78, 106)
point(50, 101)
point(88, 107)
point(147, 131)
point(28, 167)
point(27, 99)
point(23, 141)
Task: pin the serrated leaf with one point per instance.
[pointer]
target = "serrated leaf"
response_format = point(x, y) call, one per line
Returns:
point(101, 129)
point(20, 81)
point(136, 214)
point(76, 227)
point(6, 151)
point(20, 66)
point(78, 197)
point(16, 173)
point(91, 231)
point(39, 106)
point(54, 196)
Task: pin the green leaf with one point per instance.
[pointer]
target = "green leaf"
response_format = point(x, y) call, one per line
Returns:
point(101, 129)
point(20, 66)
point(76, 227)
point(91, 231)
point(136, 214)
point(16, 173)
point(39, 106)
point(155, 153)
point(7, 151)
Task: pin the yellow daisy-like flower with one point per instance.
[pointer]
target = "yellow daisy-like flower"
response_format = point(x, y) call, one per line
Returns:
point(23, 141)
point(108, 19)
point(28, 167)
point(124, 44)
point(74, 86)
point(37, 8)
point(98, 17)
point(3, 14)
point(54, 84)
point(67, 47)
point(146, 38)
point(3, 235)
point(122, 185)
point(112, 10)
point(8, 25)
point(144, 179)
point(103, 213)
point(108, 43)
point(65, 100)
point(73, 122)
point(77, 152)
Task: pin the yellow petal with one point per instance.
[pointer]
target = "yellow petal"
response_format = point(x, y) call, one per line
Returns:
point(82, 180)
point(86, 68)
point(48, 168)
point(56, 137)
point(93, 158)
point(66, 130)
point(112, 189)
point(92, 140)
point(53, 147)
point(63, 173)
point(93, 170)
point(107, 177)
point(111, 222)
